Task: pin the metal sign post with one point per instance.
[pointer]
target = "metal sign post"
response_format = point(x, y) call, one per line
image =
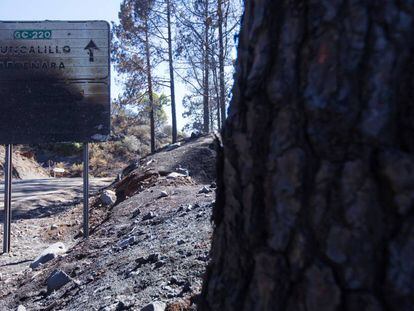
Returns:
point(86, 190)
point(7, 199)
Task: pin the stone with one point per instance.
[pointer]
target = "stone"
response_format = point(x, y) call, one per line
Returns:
point(195, 134)
point(127, 242)
point(159, 264)
point(53, 227)
point(175, 281)
point(163, 194)
point(175, 175)
point(149, 216)
point(21, 308)
point(155, 306)
point(180, 242)
point(48, 254)
point(205, 190)
point(213, 185)
point(130, 168)
point(136, 212)
point(183, 171)
point(108, 197)
point(153, 258)
point(172, 146)
point(56, 280)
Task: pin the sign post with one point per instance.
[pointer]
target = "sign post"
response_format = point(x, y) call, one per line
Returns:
point(54, 87)
point(86, 190)
point(7, 199)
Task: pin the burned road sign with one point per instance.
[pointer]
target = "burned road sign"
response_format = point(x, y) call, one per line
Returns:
point(54, 81)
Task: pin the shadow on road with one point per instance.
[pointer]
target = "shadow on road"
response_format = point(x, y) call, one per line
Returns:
point(39, 212)
point(43, 198)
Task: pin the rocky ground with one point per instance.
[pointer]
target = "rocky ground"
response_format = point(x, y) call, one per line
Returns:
point(147, 251)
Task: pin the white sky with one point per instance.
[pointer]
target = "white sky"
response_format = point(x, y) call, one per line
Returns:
point(27, 10)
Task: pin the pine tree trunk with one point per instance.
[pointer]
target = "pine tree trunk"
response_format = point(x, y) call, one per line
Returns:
point(149, 81)
point(206, 91)
point(315, 207)
point(221, 61)
point(172, 84)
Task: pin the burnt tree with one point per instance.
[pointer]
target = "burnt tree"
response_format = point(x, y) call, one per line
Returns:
point(315, 208)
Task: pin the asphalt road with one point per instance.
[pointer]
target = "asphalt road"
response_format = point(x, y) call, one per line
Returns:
point(41, 193)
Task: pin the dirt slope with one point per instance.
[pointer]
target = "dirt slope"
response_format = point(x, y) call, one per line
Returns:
point(151, 246)
point(23, 167)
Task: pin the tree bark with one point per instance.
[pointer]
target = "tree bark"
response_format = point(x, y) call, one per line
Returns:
point(315, 206)
point(172, 84)
point(149, 81)
point(221, 61)
point(206, 91)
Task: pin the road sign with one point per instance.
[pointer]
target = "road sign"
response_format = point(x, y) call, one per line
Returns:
point(54, 81)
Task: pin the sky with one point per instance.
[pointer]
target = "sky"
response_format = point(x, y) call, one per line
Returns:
point(35, 10)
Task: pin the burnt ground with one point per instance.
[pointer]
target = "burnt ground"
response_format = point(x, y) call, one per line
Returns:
point(150, 246)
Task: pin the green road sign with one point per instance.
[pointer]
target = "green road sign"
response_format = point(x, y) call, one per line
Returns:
point(33, 34)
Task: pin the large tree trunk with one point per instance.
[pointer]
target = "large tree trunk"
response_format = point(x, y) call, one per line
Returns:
point(149, 81)
point(221, 61)
point(206, 78)
point(315, 207)
point(171, 66)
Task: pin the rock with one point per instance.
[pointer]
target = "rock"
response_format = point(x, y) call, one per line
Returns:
point(213, 185)
point(21, 308)
point(48, 254)
point(175, 175)
point(180, 242)
point(56, 280)
point(183, 171)
point(155, 306)
point(131, 167)
point(159, 264)
point(153, 258)
point(172, 146)
point(205, 190)
point(163, 194)
point(53, 227)
point(149, 216)
point(108, 197)
point(136, 212)
point(175, 281)
point(187, 287)
point(195, 134)
point(127, 242)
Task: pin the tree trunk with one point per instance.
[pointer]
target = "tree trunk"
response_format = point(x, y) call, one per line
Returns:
point(315, 206)
point(172, 84)
point(206, 91)
point(221, 61)
point(149, 81)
